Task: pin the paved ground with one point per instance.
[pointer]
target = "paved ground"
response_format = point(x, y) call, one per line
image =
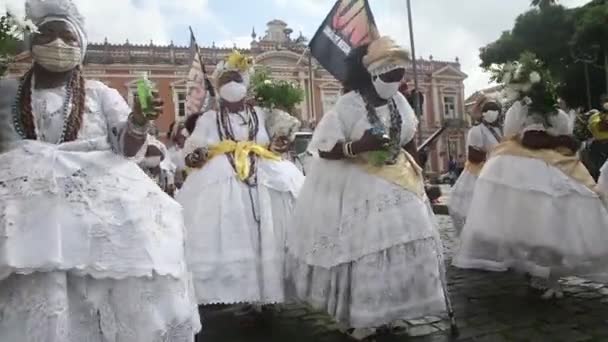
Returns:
point(489, 307)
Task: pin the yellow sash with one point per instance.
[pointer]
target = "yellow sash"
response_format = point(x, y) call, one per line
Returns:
point(568, 164)
point(241, 151)
point(405, 172)
point(594, 126)
point(473, 168)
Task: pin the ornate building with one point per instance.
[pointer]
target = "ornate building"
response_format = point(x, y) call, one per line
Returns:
point(119, 66)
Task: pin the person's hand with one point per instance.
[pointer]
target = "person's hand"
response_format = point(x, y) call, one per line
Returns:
point(198, 158)
point(142, 118)
point(279, 145)
point(370, 142)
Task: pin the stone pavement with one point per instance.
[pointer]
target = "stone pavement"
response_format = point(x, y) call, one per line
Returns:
point(489, 307)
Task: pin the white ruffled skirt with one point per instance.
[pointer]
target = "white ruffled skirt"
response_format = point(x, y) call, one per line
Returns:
point(602, 183)
point(90, 250)
point(460, 198)
point(532, 217)
point(236, 234)
point(362, 249)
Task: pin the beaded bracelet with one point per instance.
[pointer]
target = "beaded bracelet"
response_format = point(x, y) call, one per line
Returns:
point(135, 129)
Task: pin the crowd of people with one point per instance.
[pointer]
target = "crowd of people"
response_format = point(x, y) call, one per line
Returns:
point(107, 234)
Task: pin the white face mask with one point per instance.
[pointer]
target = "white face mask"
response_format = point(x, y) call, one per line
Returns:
point(57, 56)
point(233, 91)
point(386, 90)
point(491, 116)
point(150, 162)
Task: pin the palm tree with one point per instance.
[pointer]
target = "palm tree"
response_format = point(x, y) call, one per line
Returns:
point(542, 4)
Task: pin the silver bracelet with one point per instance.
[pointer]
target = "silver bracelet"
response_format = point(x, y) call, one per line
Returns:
point(347, 150)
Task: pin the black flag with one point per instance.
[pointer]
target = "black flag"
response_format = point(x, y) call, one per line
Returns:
point(349, 24)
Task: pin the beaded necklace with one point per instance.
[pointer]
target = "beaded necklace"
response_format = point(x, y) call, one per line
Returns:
point(23, 117)
point(378, 127)
point(226, 132)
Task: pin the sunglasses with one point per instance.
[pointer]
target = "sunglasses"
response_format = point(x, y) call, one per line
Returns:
point(392, 76)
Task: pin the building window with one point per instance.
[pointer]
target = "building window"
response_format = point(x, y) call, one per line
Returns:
point(179, 98)
point(449, 107)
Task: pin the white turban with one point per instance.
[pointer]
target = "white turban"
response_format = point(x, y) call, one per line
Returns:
point(41, 12)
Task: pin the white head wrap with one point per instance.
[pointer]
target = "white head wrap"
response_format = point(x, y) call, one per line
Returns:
point(41, 12)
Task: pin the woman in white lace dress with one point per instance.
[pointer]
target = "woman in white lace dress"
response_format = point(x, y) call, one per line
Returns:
point(480, 141)
point(238, 198)
point(537, 210)
point(90, 248)
point(364, 245)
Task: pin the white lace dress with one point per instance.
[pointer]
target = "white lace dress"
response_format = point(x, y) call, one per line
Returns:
point(532, 217)
point(90, 248)
point(234, 258)
point(480, 137)
point(602, 183)
point(360, 247)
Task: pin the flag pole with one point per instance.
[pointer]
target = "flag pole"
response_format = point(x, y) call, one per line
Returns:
point(302, 56)
point(311, 87)
point(416, 103)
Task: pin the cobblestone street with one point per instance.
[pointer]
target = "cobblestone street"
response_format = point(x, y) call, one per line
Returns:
point(489, 307)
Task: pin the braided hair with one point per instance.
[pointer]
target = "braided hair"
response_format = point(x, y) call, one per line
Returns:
point(75, 86)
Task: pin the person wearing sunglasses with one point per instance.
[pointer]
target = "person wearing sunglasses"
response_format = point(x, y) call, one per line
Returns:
point(364, 245)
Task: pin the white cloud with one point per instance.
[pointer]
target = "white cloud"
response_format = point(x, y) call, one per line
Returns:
point(243, 42)
point(138, 21)
point(308, 7)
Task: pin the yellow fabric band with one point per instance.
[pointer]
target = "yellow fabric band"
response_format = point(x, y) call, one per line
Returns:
point(241, 151)
point(568, 164)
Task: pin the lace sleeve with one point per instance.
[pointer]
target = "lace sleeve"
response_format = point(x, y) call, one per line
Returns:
point(201, 134)
point(515, 119)
point(337, 124)
point(328, 133)
point(410, 121)
point(475, 138)
point(116, 110)
point(281, 124)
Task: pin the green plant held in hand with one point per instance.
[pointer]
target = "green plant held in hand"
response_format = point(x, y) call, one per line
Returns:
point(144, 93)
point(278, 94)
point(379, 158)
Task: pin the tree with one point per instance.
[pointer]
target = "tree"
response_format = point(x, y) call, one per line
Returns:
point(8, 42)
point(549, 34)
point(542, 4)
point(591, 33)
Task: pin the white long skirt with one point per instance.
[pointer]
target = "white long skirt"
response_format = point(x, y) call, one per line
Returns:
point(233, 257)
point(66, 307)
point(460, 199)
point(362, 249)
point(402, 282)
point(90, 250)
point(532, 217)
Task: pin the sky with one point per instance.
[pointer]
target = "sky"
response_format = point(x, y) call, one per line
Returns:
point(445, 29)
